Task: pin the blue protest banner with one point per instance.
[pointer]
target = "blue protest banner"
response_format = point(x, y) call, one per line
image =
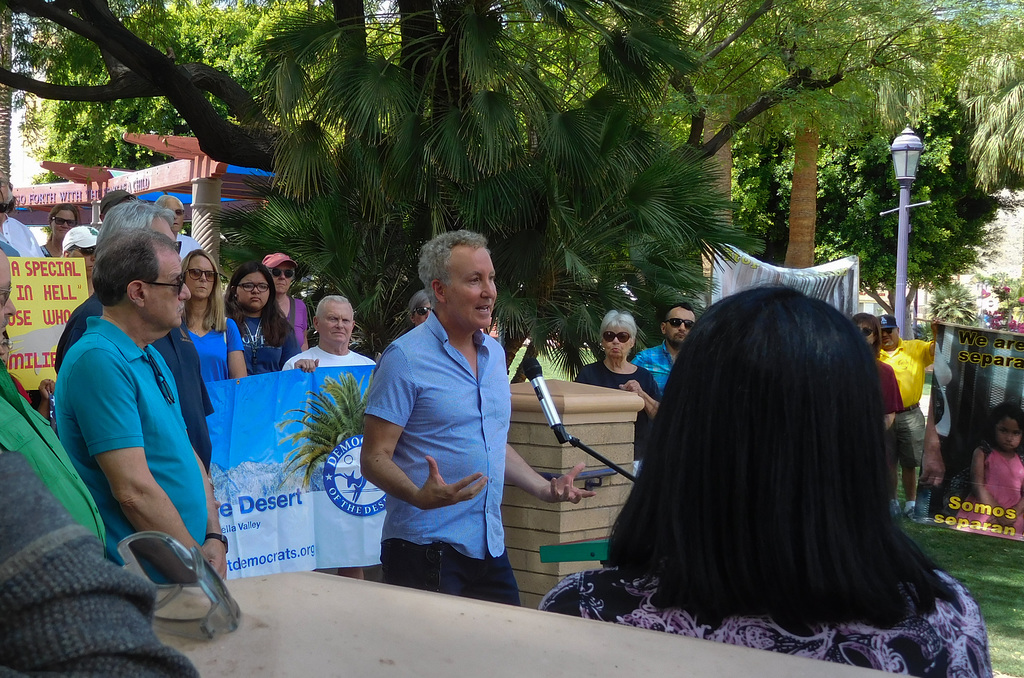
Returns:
point(285, 468)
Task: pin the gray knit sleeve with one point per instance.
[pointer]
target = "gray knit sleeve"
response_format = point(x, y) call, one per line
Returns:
point(63, 607)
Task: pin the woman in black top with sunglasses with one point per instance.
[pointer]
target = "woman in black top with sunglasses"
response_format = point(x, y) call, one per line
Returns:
point(251, 301)
point(282, 268)
point(618, 336)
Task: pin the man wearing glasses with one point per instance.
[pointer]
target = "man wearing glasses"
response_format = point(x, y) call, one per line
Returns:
point(908, 359)
point(175, 347)
point(22, 429)
point(658, 360)
point(117, 407)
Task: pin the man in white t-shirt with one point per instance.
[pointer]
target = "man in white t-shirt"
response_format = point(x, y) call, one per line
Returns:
point(333, 322)
point(12, 231)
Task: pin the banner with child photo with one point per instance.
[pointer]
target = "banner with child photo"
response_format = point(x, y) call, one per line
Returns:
point(976, 401)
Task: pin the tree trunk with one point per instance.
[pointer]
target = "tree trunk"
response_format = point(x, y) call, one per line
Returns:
point(803, 205)
point(6, 94)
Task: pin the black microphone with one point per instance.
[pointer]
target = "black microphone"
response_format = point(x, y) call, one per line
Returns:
point(535, 373)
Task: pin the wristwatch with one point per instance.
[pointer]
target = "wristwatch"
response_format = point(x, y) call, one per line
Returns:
point(219, 537)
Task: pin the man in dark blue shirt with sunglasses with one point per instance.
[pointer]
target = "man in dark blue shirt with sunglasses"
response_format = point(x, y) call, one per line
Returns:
point(659, 359)
point(118, 413)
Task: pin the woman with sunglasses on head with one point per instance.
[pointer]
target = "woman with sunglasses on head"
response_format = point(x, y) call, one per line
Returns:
point(251, 301)
point(760, 517)
point(618, 336)
point(63, 218)
point(282, 268)
point(215, 336)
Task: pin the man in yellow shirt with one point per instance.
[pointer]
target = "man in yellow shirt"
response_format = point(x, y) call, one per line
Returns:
point(909, 359)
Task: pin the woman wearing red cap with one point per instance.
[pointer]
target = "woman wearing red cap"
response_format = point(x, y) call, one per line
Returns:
point(282, 267)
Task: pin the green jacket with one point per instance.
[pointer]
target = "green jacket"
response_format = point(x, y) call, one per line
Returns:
point(23, 430)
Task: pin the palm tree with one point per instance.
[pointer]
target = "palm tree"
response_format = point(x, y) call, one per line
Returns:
point(953, 303)
point(994, 94)
point(332, 415)
point(803, 204)
point(539, 133)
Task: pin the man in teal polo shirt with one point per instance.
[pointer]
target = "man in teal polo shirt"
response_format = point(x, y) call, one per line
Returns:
point(23, 430)
point(117, 410)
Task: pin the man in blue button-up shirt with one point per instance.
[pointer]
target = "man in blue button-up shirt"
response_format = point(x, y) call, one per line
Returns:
point(438, 408)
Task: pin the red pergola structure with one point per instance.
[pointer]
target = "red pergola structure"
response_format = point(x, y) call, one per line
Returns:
point(191, 171)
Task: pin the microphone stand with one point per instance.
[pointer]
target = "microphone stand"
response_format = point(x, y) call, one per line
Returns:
point(564, 436)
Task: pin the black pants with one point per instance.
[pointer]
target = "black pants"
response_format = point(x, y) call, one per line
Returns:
point(439, 567)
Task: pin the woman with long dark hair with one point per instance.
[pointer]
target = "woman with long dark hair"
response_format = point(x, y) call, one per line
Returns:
point(760, 515)
point(250, 301)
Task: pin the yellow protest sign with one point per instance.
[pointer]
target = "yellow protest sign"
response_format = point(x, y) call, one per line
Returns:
point(44, 292)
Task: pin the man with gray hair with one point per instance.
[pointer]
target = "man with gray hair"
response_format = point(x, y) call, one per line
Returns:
point(129, 442)
point(187, 242)
point(176, 347)
point(439, 407)
point(334, 322)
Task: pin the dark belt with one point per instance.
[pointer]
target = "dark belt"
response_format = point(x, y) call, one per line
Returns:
point(909, 409)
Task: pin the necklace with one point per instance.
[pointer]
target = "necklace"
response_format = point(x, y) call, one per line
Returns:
point(253, 340)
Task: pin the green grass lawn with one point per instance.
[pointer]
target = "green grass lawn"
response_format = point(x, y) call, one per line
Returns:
point(991, 568)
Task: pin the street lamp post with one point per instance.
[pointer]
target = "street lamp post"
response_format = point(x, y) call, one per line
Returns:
point(906, 154)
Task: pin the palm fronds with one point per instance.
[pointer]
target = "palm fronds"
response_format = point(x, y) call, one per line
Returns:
point(332, 415)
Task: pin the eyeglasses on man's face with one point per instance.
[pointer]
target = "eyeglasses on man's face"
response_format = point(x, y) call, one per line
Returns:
point(5, 296)
point(609, 336)
point(888, 330)
point(177, 285)
point(251, 287)
point(421, 310)
point(676, 322)
point(86, 251)
point(287, 273)
point(60, 221)
point(200, 274)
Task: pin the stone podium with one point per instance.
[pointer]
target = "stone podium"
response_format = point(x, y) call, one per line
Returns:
point(602, 418)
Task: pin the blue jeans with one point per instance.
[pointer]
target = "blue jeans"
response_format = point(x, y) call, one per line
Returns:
point(439, 567)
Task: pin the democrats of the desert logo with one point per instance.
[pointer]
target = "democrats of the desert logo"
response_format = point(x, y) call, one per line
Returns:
point(345, 484)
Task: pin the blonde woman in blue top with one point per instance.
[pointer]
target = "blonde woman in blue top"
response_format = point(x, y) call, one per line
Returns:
point(216, 336)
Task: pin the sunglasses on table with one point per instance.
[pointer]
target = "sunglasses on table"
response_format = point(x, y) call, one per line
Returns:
point(70, 223)
point(421, 310)
point(191, 598)
point(676, 322)
point(623, 337)
point(254, 287)
point(288, 273)
point(200, 274)
point(177, 285)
